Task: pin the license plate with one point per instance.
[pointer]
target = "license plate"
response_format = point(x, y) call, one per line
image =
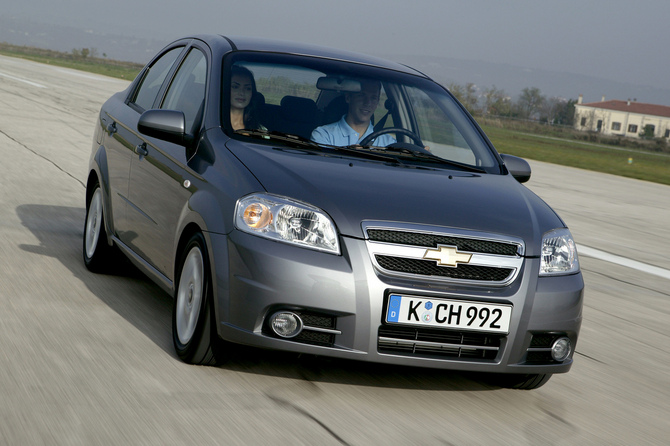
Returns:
point(447, 313)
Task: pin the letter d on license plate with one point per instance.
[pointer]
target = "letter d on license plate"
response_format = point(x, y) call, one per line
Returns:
point(448, 313)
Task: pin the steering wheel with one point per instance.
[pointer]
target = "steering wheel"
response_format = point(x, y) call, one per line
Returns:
point(405, 132)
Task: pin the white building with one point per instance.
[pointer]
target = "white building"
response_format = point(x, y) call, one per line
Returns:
point(622, 118)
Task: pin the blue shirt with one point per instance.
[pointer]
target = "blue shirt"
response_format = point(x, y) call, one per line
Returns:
point(341, 134)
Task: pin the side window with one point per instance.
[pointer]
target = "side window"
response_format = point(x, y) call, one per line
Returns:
point(433, 124)
point(187, 91)
point(438, 131)
point(153, 79)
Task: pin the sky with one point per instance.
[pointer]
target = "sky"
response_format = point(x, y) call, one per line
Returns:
point(611, 39)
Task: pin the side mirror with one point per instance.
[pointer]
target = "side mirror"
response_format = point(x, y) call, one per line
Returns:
point(517, 167)
point(168, 125)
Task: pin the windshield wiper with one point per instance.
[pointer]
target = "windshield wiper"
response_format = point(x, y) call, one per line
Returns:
point(300, 140)
point(364, 152)
point(424, 154)
point(277, 136)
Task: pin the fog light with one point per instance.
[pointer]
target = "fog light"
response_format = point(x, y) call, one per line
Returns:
point(561, 349)
point(286, 324)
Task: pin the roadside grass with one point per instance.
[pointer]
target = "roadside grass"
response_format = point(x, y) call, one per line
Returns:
point(631, 163)
point(628, 162)
point(107, 67)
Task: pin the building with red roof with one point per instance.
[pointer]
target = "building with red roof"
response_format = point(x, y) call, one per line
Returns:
point(623, 118)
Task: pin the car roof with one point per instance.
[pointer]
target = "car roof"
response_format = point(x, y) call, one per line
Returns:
point(243, 43)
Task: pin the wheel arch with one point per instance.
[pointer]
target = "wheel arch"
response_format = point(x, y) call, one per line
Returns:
point(204, 213)
point(189, 230)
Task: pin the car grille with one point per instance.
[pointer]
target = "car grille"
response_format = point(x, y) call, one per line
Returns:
point(433, 240)
point(429, 268)
point(494, 259)
point(442, 344)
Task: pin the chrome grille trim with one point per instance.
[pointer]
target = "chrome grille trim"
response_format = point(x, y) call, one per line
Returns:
point(322, 330)
point(508, 265)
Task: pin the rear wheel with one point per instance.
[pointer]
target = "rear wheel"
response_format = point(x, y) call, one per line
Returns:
point(193, 328)
point(96, 250)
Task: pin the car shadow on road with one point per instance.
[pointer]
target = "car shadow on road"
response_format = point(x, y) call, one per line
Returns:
point(124, 289)
point(134, 297)
point(317, 369)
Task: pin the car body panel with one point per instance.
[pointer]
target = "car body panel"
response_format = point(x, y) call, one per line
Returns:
point(158, 193)
point(352, 191)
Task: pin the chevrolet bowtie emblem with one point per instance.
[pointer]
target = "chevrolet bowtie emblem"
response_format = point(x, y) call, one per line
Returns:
point(447, 256)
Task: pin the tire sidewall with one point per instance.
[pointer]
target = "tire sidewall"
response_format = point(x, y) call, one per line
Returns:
point(196, 348)
point(97, 261)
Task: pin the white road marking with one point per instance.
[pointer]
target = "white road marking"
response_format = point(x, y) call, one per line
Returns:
point(623, 261)
point(25, 81)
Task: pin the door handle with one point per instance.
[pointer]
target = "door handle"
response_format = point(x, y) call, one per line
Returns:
point(141, 150)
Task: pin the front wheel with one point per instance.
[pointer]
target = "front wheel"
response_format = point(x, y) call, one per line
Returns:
point(193, 329)
point(96, 250)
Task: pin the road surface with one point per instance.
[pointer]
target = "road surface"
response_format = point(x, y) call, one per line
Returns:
point(87, 359)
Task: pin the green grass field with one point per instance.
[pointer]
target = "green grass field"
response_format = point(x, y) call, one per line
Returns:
point(632, 163)
point(643, 165)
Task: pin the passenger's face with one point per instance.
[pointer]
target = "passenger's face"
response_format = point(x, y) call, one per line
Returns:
point(241, 89)
point(364, 103)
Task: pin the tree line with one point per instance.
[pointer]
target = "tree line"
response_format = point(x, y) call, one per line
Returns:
point(530, 105)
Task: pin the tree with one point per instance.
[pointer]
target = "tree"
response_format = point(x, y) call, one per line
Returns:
point(471, 97)
point(496, 102)
point(466, 95)
point(648, 131)
point(558, 111)
point(565, 113)
point(458, 91)
point(530, 102)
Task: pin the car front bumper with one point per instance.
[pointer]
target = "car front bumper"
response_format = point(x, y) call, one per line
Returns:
point(344, 297)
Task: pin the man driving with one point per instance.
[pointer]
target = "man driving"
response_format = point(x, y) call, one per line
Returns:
point(356, 124)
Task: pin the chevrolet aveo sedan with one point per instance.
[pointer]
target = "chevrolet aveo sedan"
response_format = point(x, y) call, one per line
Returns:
point(310, 200)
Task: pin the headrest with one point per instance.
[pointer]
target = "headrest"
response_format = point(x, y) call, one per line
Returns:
point(300, 109)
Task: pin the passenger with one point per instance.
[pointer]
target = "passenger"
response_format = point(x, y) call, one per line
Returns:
point(243, 94)
point(356, 124)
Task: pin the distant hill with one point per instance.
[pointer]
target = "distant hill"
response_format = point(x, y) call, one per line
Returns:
point(63, 38)
point(511, 79)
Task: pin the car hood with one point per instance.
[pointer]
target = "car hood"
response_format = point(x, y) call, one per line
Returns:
point(352, 190)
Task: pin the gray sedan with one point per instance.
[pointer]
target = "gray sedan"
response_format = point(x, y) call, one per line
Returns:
point(310, 200)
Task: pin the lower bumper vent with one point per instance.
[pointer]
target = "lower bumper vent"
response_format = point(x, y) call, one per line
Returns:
point(438, 343)
point(539, 351)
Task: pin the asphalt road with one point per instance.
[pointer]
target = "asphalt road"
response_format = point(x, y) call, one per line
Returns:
point(87, 359)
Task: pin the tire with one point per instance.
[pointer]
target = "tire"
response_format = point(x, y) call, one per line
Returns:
point(96, 251)
point(193, 327)
point(523, 382)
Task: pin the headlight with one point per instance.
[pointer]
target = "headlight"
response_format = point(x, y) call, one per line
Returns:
point(286, 220)
point(559, 253)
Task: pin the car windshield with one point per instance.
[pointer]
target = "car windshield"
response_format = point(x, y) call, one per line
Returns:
point(331, 104)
